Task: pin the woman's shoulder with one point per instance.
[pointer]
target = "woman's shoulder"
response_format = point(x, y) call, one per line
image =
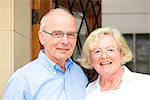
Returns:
point(136, 76)
point(140, 75)
point(91, 86)
point(141, 78)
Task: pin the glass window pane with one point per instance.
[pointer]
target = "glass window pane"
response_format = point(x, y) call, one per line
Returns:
point(141, 50)
point(129, 40)
point(143, 53)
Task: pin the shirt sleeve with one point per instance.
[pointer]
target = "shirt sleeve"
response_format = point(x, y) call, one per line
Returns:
point(17, 89)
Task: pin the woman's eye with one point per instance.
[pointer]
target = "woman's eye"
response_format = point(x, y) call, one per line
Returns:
point(97, 51)
point(110, 50)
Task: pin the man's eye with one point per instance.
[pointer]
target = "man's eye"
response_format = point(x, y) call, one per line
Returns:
point(70, 34)
point(57, 33)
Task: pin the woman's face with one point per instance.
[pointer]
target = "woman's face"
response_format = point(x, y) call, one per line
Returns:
point(106, 57)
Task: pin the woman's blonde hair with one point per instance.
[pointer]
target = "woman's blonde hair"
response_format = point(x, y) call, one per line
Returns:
point(92, 40)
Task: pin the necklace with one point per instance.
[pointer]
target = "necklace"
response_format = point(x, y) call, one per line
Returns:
point(115, 86)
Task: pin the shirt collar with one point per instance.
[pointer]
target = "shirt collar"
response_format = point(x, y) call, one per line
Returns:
point(126, 77)
point(97, 82)
point(127, 74)
point(51, 66)
point(69, 63)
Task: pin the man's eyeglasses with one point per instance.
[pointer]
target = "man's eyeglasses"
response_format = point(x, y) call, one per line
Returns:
point(60, 34)
point(109, 51)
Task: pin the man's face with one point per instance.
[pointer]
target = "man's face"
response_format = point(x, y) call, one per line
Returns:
point(59, 49)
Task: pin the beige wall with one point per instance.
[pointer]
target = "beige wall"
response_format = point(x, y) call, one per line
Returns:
point(130, 16)
point(15, 37)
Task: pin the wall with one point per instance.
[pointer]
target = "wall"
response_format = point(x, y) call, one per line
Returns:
point(15, 37)
point(127, 15)
point(131, 17)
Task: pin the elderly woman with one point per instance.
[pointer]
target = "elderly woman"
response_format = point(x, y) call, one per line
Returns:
point(106, 51)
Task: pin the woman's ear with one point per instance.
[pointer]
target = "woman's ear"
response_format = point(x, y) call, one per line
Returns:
point(41, 38)
point(123, 57)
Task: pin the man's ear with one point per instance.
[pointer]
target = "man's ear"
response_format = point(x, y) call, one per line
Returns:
point(41, 38)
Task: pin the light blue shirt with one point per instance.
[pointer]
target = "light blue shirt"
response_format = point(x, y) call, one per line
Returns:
point(42, 79)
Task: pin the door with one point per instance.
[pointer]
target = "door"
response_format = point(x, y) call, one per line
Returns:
point(39, 8)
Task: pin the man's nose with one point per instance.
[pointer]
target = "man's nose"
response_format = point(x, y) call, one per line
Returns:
point(65, 39)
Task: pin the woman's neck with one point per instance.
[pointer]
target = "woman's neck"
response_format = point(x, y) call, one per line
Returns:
point(111, 82)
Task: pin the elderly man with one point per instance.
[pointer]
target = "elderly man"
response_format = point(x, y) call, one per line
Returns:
point(53, 75)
